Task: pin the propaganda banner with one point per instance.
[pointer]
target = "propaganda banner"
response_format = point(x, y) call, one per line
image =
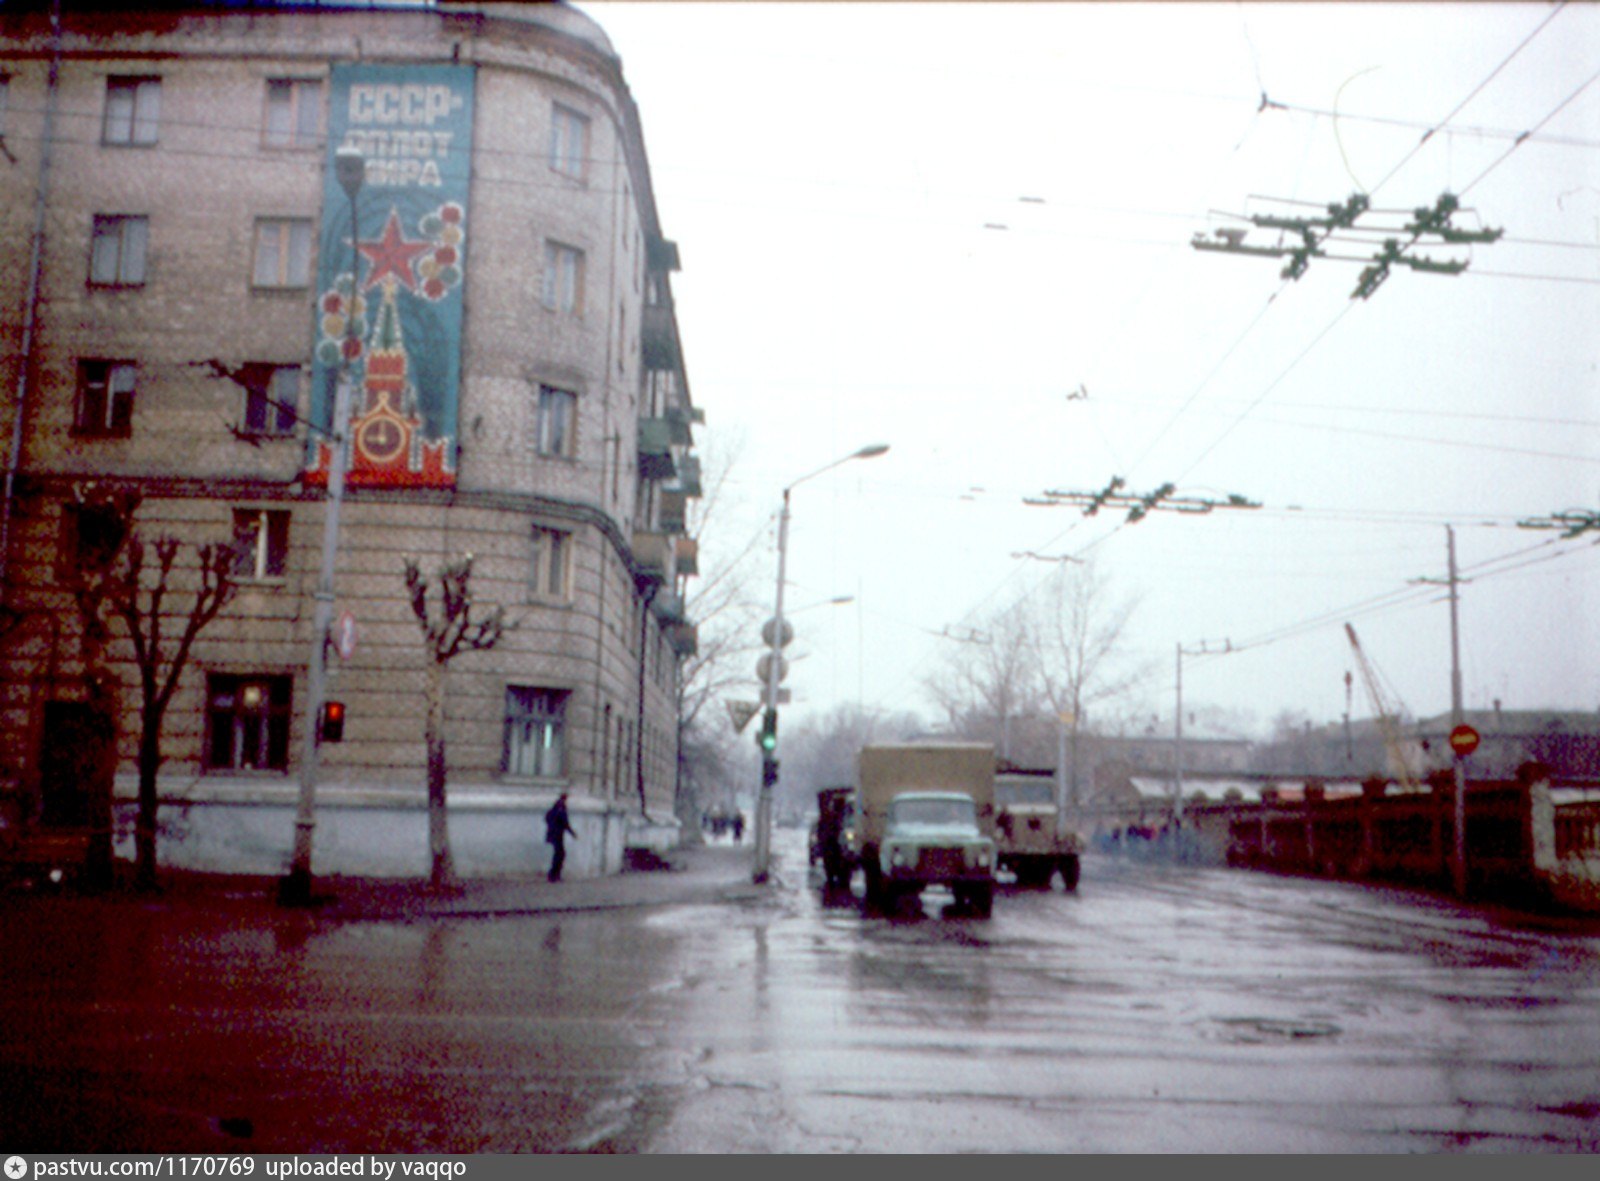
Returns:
point(388, 311)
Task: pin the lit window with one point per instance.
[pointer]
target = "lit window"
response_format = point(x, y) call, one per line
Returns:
point(133, 111)
point(105, 399)
point(294, 113)
point(117, 250)
point(248, 719)
point(535, 735)
point(569, 142)
point(552, 561)
point(283, 252)
point(555, 419)
point(261, 543)
point(563, 278)
point(271, 400)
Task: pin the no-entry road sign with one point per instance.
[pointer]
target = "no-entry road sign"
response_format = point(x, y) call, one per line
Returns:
point(1463, 740)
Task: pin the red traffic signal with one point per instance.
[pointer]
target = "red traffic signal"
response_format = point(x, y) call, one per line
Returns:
point(333, 721)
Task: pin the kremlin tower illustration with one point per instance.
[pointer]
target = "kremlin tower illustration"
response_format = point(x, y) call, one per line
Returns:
point(388, 443)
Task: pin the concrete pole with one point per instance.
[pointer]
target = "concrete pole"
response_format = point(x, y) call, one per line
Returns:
point(1459, 865)
point(769, 768)
point(295, 888)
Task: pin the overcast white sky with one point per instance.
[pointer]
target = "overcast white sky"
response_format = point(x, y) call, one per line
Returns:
point(834, 173)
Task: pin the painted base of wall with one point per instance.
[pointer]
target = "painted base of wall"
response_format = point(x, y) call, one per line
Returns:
point(250, 829)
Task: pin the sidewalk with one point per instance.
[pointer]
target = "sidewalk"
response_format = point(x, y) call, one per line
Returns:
point(705, 874)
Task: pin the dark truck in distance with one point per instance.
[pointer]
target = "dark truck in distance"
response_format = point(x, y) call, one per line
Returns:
point(832, 844)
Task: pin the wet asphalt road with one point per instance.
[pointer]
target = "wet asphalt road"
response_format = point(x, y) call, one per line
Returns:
point(1157, 1009)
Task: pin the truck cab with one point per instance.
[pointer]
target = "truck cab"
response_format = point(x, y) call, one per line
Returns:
point(1033, 841)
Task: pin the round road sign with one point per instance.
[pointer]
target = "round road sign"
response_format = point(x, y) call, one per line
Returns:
point(1463, 740)
point(344, 635)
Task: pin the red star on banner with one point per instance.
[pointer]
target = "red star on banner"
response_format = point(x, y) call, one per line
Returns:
point(392, 254)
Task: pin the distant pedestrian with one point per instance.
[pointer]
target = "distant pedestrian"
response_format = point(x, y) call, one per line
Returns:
point(738, 827)
point(556, 828)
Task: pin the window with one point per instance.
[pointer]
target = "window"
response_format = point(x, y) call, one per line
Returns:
point(91, 537)
point(555, 418)
point(552, 561)
point(272, 399)
point(294, 113)
point(248, 721)
point(261, 540)
point(117, 249)
point(569, 142)
point(563, 278)
point(283, 252)
point(535, 731)
point(133, 111)
point(105, 399)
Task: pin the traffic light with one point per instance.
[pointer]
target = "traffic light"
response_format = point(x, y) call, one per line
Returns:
point(769, 773)
point(768, 738)
point(333, 721)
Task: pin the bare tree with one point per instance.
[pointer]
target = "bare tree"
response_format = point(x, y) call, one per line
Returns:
point(726, 612)
point(990, 680)
point(1079, 633)
point(120, 579)
point(451, 630)
point(821, 750)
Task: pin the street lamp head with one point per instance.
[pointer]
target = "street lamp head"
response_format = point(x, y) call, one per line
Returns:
point(871, 451)
point(350, 167)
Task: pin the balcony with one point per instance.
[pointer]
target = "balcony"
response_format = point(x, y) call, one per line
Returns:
point(684, 638)
point(673, 516)
point(688, 555)
point(668, 607)
point(688, 483)
point(658, 337)
point(655, 449)
point(652, 555)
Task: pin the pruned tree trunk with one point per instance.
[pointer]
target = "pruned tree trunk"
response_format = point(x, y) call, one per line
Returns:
point(443, 870)
point(144, 829)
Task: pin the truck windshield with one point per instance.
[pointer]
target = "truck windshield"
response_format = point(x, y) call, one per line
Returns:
point(940, 812)
point(1007, 794)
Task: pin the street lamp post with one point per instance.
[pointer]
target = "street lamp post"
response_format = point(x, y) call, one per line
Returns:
point(769, 751)
point(295, 889)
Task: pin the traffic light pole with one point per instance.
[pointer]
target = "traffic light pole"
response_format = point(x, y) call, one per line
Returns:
point(769, 719)
point(294, 889)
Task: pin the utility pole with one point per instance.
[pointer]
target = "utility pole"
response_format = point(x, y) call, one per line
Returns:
point(1177, 736)
point(1456, 719)
point(1458, 860)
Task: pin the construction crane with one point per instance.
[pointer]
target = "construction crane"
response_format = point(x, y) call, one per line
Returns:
point(1388, 717)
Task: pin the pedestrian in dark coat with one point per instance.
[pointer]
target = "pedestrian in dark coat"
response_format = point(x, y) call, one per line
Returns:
point(556, 828)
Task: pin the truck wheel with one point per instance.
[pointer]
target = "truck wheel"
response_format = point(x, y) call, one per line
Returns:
point(1069, 871)
point(877, 897)
point(1034, 873)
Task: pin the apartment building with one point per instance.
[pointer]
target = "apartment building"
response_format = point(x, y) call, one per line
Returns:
point(188, 283)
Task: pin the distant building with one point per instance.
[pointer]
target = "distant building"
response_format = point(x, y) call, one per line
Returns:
point(177, 308)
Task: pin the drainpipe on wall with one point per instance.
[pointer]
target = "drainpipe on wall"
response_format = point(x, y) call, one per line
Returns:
point(644, 656)
point(31, 306)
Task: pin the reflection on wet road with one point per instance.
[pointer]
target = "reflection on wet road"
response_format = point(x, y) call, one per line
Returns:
point(1159, 1008)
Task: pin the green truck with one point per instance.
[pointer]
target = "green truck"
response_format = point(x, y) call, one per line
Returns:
point(925, 817)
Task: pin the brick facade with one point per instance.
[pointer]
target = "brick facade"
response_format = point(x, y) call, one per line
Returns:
point(608, 643)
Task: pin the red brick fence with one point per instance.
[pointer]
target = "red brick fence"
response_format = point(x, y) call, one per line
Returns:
point(1531, 839)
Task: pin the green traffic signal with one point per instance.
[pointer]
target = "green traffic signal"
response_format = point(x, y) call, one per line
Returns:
point(768, 738)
